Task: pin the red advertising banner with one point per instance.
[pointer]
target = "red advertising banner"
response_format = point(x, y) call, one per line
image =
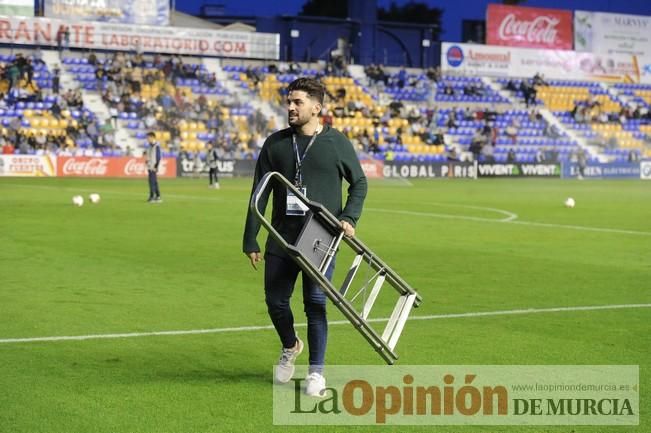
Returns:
point(88, 166)
point(519, 26)
point(373, 169)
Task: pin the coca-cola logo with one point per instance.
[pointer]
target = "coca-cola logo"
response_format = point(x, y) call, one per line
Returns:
point(138, 167)
point(135, 167)
point(540, 30)
point(86, 167)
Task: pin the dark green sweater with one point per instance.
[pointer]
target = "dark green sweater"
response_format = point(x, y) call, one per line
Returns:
point(330, 159)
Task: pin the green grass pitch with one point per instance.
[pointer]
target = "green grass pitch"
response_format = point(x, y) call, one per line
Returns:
point(124, 266)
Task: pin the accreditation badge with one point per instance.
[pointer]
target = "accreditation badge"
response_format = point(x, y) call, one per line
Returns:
point(295, 207)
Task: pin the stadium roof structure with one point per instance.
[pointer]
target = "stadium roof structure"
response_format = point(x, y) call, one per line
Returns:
point(180, 19)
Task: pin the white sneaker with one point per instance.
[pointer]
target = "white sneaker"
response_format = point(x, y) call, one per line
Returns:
point(216, 186)
point(285, 367)
point(315, 385)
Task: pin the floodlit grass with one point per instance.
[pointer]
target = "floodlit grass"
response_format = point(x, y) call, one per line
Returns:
point(125, 266)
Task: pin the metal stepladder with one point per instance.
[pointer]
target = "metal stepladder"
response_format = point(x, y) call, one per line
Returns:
point(316, 245)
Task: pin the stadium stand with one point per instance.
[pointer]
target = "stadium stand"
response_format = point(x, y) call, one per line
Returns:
point(181, 102)
point(34, 117)
point(597, 112)
point(389, 113)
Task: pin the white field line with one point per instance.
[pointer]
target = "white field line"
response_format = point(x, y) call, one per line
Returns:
point(511, 218)
point(336, 322)
point(513, 221)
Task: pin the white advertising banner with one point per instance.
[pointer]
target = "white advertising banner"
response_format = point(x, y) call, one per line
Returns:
point(23, 8)
point(645, 170)
point(503, 61)
point(161, 39)
point(28, 165)
point(151, 12)
point(600, 32)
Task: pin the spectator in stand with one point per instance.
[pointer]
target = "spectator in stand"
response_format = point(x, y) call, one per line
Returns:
point(59, 38)
point(578, 113)
point(470, 90)
point(551, 131)
point(434, 74)
point(37, 56)
point(55, 109)
point(512, 129)
point(66, 38)
point(376, 74)
point(452, 119)
point(327, 117)
point(28, 84)
point(56, 80)
point(529, 93)
point(253, 75)
point(538, 80)
point(477, 142)
point(582, 162)
point(453, 155)
point(510, 156)
point(92, 59)
point(13, 73)
point(633, 156)
point(339, 66)
point(488, 153)
point(438, 139)
point(414, 115)
point(448, 89)
point(401, 78)
point(512, 86)
point(492, 135)
point(7, 147)
point(535, 116)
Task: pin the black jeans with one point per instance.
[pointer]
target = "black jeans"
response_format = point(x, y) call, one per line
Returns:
point(212, 176)
point(279, 279)
point(153, 184)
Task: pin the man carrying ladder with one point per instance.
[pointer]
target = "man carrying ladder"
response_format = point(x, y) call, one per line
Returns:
point(316, 158)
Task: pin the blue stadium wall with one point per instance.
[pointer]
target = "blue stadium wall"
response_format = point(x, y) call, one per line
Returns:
point(367, 39)
point(394, 44)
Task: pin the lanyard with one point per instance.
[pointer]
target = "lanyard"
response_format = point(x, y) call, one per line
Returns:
point(298, 179)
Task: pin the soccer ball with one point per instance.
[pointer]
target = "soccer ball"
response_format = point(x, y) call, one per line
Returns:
point(94, 198)
point(569, 202)
point(78, 200)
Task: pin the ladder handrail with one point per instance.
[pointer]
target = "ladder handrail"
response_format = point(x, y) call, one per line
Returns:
point(384, 348)
point(357, 245)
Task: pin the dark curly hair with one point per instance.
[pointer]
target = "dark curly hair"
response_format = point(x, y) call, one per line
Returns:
point(313, 87)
